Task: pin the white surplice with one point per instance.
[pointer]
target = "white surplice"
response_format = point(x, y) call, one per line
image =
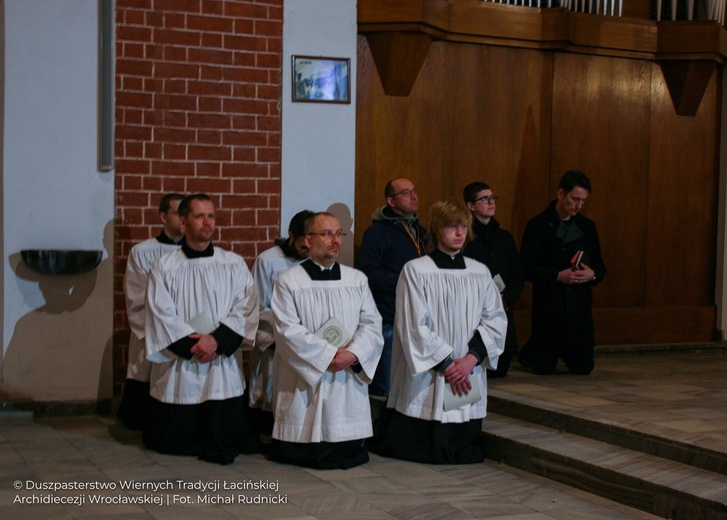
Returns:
point(141, 256)
point(270, 264)
point(179, 290)
point(437, 313)
point(312, 403)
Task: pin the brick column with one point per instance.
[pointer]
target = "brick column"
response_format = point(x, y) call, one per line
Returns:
point(198, 86)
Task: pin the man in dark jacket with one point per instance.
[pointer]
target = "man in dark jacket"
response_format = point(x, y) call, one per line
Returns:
point(394, 238)
point(495, 247)
point(562, 321)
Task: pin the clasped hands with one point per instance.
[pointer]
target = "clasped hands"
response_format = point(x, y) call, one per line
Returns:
point(342, 360)
point(570, 276)
point(205, 350)
point(457, 374)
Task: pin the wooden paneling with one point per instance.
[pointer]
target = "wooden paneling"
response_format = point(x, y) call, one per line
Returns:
point(682, 38)
point(498, 131)
point(644, 325)
point(499, 127)
point(601, 127)
point(396, 136)
point(637, 9)
point(687, 80)
point(518, 118)
point(544, 28)
point(632, 36)
point(682, 200)
point(431, 12)
point(613, 34)
point(398, 57)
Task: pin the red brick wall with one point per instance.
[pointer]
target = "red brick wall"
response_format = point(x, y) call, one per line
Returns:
point(198, 86)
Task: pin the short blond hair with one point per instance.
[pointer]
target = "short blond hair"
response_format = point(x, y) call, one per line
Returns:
point(448, 212)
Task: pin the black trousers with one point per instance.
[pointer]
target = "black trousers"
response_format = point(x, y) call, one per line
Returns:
point(214, 431)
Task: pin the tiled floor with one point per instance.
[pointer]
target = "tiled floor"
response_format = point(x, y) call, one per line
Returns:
point(96, 451)
point(679, 395)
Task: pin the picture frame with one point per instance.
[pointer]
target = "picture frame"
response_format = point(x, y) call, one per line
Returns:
point(317, 79)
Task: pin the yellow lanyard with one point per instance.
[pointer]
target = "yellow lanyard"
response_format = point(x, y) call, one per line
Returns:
point(417, 241)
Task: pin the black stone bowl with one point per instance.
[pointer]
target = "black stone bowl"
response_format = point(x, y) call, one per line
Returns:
point(60, 262)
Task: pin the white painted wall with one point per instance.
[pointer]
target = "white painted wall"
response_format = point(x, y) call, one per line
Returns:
point(54, 198)
point(319, 140)
point(57, 331)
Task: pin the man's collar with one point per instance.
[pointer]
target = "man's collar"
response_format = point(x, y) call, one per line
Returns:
point(319, 273)
point(477, 218)
point(193, 253)
point(446, 261)
point(390, 214)
point(163, 238)
point(322, 267)
point(478, 227)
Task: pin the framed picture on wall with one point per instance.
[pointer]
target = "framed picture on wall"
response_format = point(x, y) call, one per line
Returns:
point(321, 80)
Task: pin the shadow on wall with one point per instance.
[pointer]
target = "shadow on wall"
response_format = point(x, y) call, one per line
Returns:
point(343, 214)
point(59, 359)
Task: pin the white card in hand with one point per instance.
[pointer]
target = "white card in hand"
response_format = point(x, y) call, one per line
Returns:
point(334, 332)
point(202, 324)
point(453, 401)
point(499, 283)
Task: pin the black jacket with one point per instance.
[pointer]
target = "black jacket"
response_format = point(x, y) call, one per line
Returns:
point(561, 316)
point(495, 247)
point(385, 248)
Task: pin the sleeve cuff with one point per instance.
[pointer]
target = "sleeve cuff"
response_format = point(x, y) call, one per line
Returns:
point(228, 341)
point(444, 364)
point(183, 346)
point(477, 348)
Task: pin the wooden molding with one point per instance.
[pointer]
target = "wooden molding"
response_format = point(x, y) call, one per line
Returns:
point(687, 81)
point(429, 12)
point(398, 57)
point(547, 27)
point(607, 35)
point(687, 39)
point(400, 33)
point(688, 54)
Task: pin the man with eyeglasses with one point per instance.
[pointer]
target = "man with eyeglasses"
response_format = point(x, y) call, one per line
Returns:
point(561, 256)
point(495, 247)
point(328, 343)
point(394, 238)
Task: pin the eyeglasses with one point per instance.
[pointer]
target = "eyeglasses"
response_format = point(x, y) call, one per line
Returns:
point(405, 193)
point(328, 234)
point(485, 200)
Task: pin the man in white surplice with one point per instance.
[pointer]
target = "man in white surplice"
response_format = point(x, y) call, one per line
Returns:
point(321, 404)
point(201, 306)
point(271, 263)
point(449, 326)
point(135, 399)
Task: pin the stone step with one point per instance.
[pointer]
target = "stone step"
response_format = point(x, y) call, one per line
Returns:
point(568, 419)
point(10, 415)
point(649, 348)
point(653, 484)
